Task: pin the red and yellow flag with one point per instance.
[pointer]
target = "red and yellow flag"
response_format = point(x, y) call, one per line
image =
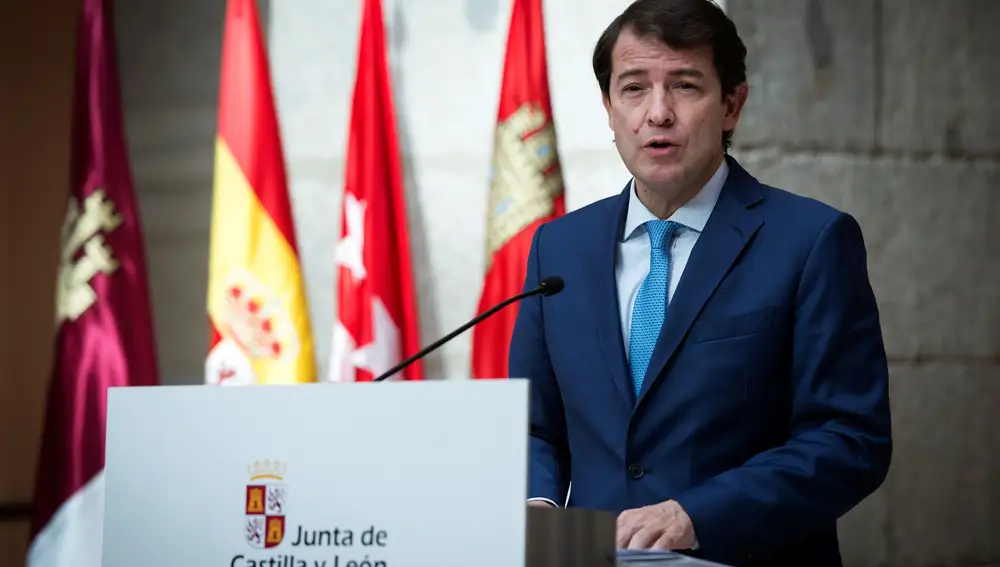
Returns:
point(260, 331)
point(526, 188)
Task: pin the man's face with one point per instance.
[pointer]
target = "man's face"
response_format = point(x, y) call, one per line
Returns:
point(667, 113)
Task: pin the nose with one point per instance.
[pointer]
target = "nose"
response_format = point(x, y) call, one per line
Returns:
point(661, 108)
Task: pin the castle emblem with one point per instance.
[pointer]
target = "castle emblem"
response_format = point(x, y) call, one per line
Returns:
point(85, 253)
point(526, 176)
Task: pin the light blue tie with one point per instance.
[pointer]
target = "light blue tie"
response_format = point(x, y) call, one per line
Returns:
point(651, 303)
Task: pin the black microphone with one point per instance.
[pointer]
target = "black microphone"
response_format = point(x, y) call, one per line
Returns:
point(548, 286)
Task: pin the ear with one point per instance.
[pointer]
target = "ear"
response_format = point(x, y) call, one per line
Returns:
point(734, 106)
point(607, 108)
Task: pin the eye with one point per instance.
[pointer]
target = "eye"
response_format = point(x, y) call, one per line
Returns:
point(632, 88)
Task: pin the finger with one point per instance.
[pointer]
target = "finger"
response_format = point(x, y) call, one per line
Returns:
point(666, 541)
point(626, 528)
point(624, 535)
point(644, 537)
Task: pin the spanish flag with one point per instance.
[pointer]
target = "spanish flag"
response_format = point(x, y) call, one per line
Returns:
point(260, 330)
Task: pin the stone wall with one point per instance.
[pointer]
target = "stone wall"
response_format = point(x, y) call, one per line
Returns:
point(887, 110)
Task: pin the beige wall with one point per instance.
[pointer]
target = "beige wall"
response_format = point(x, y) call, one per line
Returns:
point(35, 85)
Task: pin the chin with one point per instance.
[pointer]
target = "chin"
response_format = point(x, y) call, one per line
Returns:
point(661, 176)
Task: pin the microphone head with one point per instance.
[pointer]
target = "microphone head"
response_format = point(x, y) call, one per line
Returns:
point(551, 285)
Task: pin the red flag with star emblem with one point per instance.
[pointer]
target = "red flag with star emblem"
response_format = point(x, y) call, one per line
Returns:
point(377, 322)
point(526, 188)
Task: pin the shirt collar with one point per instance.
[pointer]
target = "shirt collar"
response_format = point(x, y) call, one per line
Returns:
point(693, 215)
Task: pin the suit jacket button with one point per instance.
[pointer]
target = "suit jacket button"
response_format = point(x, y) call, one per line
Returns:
point(636, 471)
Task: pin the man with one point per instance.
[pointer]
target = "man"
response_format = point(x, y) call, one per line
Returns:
point(714, 371)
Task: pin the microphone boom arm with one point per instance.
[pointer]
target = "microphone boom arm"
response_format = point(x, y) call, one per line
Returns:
point(544, 287)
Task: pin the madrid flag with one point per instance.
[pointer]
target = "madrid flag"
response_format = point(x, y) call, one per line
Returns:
point(104, 329)
point(260, 330)
point(526, 187)
point(377, 324)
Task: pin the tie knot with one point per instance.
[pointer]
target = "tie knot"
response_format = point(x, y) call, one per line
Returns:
point(659, 232)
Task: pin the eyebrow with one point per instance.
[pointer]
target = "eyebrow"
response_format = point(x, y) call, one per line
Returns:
point(629, 73)
point(682, 72)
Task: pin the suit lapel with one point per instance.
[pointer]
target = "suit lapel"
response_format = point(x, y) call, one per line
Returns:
point(601, 267)
point(726, 234)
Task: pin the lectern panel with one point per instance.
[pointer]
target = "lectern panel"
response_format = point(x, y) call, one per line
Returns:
point(388, 474)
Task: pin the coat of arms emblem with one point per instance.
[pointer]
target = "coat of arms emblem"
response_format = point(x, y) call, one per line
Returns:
point(265, 504)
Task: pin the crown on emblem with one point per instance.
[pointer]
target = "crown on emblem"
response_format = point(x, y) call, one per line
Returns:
point(251, 322)
point(254, 318)
point(267, 469)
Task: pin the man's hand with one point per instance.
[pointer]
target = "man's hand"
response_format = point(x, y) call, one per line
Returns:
point(660, 526)
point(540, 504)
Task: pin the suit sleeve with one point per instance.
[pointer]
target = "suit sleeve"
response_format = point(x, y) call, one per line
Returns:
point(548, 458)
point(840, 442)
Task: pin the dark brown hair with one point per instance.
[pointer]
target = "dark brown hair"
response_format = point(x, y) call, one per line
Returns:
point(680, 24)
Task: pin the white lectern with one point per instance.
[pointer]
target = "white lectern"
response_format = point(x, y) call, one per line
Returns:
point(391, 474)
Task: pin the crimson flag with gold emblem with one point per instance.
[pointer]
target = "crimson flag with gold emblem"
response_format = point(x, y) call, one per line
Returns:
point(104, 330)
point(526, 185)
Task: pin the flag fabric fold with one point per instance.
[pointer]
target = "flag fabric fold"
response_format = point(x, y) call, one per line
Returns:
point(104, 329)
point(377, 323)
point(257, 306)
point(526, 184)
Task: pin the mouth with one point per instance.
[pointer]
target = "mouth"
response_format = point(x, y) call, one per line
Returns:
point(659, 145)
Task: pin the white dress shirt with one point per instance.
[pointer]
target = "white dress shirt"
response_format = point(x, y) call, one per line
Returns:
point(632, 257)
point(632, 260)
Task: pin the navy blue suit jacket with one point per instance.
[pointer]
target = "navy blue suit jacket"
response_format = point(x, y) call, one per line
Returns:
point(765, 409)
